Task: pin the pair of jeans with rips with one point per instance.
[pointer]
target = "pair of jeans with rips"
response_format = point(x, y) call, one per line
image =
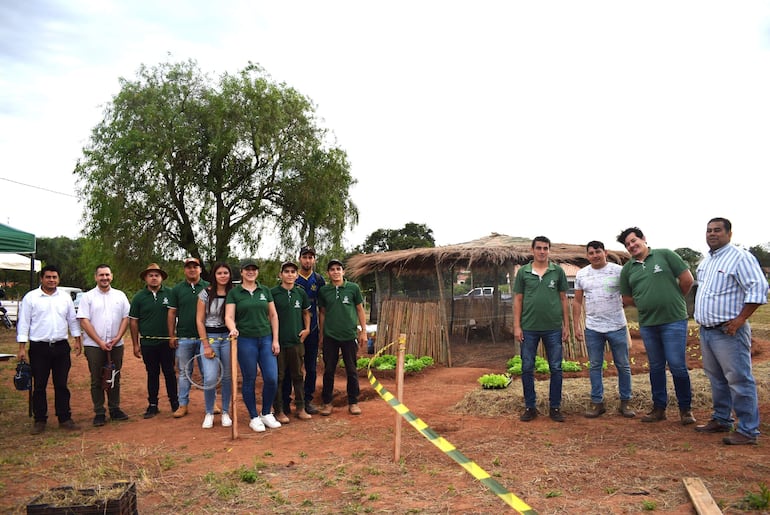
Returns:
point(618, 342)
point(211, 372)
point(185, 352)
point(666, 343)
point(253, 352)
point(727, 363)
point(553, 351)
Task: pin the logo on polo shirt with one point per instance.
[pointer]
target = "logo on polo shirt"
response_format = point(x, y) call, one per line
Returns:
point(297, 305)
point(657, 269)
point(552, 284)
point(262, 297)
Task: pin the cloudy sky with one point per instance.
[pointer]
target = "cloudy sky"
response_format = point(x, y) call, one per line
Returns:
point(569, 119)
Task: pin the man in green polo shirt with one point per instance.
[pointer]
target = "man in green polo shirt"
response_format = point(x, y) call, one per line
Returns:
point(182, 327)
point(656, 281)
point(540, 312)
point(340, 306)
point(147, 320)
point(293, 307)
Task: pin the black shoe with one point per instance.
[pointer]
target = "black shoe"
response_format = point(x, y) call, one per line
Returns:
point(311, 409)
point(529, 414)
point(69, 425)
point(100, 420)
point(38, 427)
point(556, 415)
point(152, 410)
point(117, 414)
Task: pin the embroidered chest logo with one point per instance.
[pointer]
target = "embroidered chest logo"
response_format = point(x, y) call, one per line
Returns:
point(345, 299)
point(262, 297)
point(552, 284)
point(657, 269)
point(165, 301)
point(297, 305)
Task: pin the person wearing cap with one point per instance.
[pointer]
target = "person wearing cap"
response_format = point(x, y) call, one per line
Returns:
point(46, 316)
point(182, 327)
point(215, 343)
point(293, 307)
point(250, 316)
point(147, 321)
point(103, 315)
point(311, 281)
point(340, 308)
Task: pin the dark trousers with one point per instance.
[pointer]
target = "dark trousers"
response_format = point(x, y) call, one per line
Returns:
point(311, 372)
point(50, 359)
point(157, 359)
point(97, 358)
point(332, 349)
point(290, 366)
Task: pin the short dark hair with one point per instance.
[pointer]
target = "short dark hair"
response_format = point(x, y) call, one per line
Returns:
point(623, 235)
point(49, 268)
point(542, 239)
point(594, 244)
point(102, 265)
point(725, 222)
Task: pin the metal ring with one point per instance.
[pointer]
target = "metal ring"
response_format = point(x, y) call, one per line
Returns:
point(188, 366)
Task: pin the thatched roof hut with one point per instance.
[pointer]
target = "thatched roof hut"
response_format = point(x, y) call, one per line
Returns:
point(442, 315)
point(495, 250)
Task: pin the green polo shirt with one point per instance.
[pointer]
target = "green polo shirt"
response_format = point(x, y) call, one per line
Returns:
point(341, 316)
point(184, 297)
point(541, 307)
point(151, 310)
point(291, 306)
point(655, 288)
point(251, 310)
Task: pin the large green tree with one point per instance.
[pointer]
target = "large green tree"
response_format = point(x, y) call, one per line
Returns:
point(184, 164)
point(411, 236)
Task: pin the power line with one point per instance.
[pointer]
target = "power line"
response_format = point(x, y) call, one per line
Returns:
point(39, 188)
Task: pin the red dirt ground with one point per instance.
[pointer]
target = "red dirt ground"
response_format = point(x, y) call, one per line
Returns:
point(605, 465)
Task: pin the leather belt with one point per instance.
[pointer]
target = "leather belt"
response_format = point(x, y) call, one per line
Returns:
point(710, 328)
point(50, 343)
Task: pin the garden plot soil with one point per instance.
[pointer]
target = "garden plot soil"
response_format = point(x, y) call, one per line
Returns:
point(345, 463)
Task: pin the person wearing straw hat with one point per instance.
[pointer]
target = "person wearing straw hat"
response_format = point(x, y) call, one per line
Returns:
point(147, 321)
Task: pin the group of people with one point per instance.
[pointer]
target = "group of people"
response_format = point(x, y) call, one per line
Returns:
point(731, 285)
point(278, 330)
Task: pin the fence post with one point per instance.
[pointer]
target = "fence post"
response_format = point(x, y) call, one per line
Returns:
point(399, 393)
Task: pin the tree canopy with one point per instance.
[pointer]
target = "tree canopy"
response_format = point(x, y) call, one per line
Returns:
point(412, 236)
point(184, 164)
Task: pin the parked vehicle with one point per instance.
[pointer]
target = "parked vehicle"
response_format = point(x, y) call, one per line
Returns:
point(483, 292)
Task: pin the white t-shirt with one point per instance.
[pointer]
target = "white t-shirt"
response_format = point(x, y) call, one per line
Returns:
point(603, 302)
point(105, 311)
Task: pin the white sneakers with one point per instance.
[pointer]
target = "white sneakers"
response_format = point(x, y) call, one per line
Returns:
point(226, 420)
point(270, 421)
point(257, 425)
point(208, 421)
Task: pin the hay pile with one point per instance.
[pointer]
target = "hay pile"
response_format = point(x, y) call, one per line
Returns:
point(576, 394)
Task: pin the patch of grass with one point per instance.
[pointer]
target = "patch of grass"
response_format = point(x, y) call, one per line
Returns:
point(552, 493)
point(649, 505)
point(757, 501)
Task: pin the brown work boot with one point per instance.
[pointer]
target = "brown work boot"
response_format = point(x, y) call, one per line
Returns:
point(326, 410)
point(625, 410)
point(655, 415)
point(302, 414)
point(180, 412)
point(353, 409)
point(38, 427)
point(69, 425)
point(736, 438)
point(596, 410)
point(686, 417)
point(282, 418)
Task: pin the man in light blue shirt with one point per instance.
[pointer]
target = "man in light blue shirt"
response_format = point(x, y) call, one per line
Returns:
point(731, 286)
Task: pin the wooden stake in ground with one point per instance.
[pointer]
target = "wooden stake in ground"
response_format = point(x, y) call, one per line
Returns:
point(399, 394)
point(234, 385)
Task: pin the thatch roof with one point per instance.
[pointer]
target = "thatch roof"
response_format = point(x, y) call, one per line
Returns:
point(495, 250)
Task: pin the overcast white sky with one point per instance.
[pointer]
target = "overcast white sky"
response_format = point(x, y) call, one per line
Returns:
point(570, 119)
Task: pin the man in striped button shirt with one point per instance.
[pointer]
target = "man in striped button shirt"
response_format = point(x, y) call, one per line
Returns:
point(731, 286)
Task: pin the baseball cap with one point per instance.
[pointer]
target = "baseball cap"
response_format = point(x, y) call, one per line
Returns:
point(335, 262)
point(307, 249)
point(286, 264)
point(249, 264)
point(189, 260)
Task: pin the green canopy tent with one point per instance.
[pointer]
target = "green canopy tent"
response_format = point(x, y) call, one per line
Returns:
point(19, 242)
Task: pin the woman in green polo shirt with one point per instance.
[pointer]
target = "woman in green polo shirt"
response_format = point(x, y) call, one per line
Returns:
point(250, 316)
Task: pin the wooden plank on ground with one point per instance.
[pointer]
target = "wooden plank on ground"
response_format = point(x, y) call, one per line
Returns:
point(701, 498)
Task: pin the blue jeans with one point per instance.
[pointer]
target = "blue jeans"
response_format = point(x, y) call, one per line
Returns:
point(253, 352)
point(727, 363)
point(666, 343)
point(221, 346)
point(187, 349)
point(553, 351)
point(618, 341)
